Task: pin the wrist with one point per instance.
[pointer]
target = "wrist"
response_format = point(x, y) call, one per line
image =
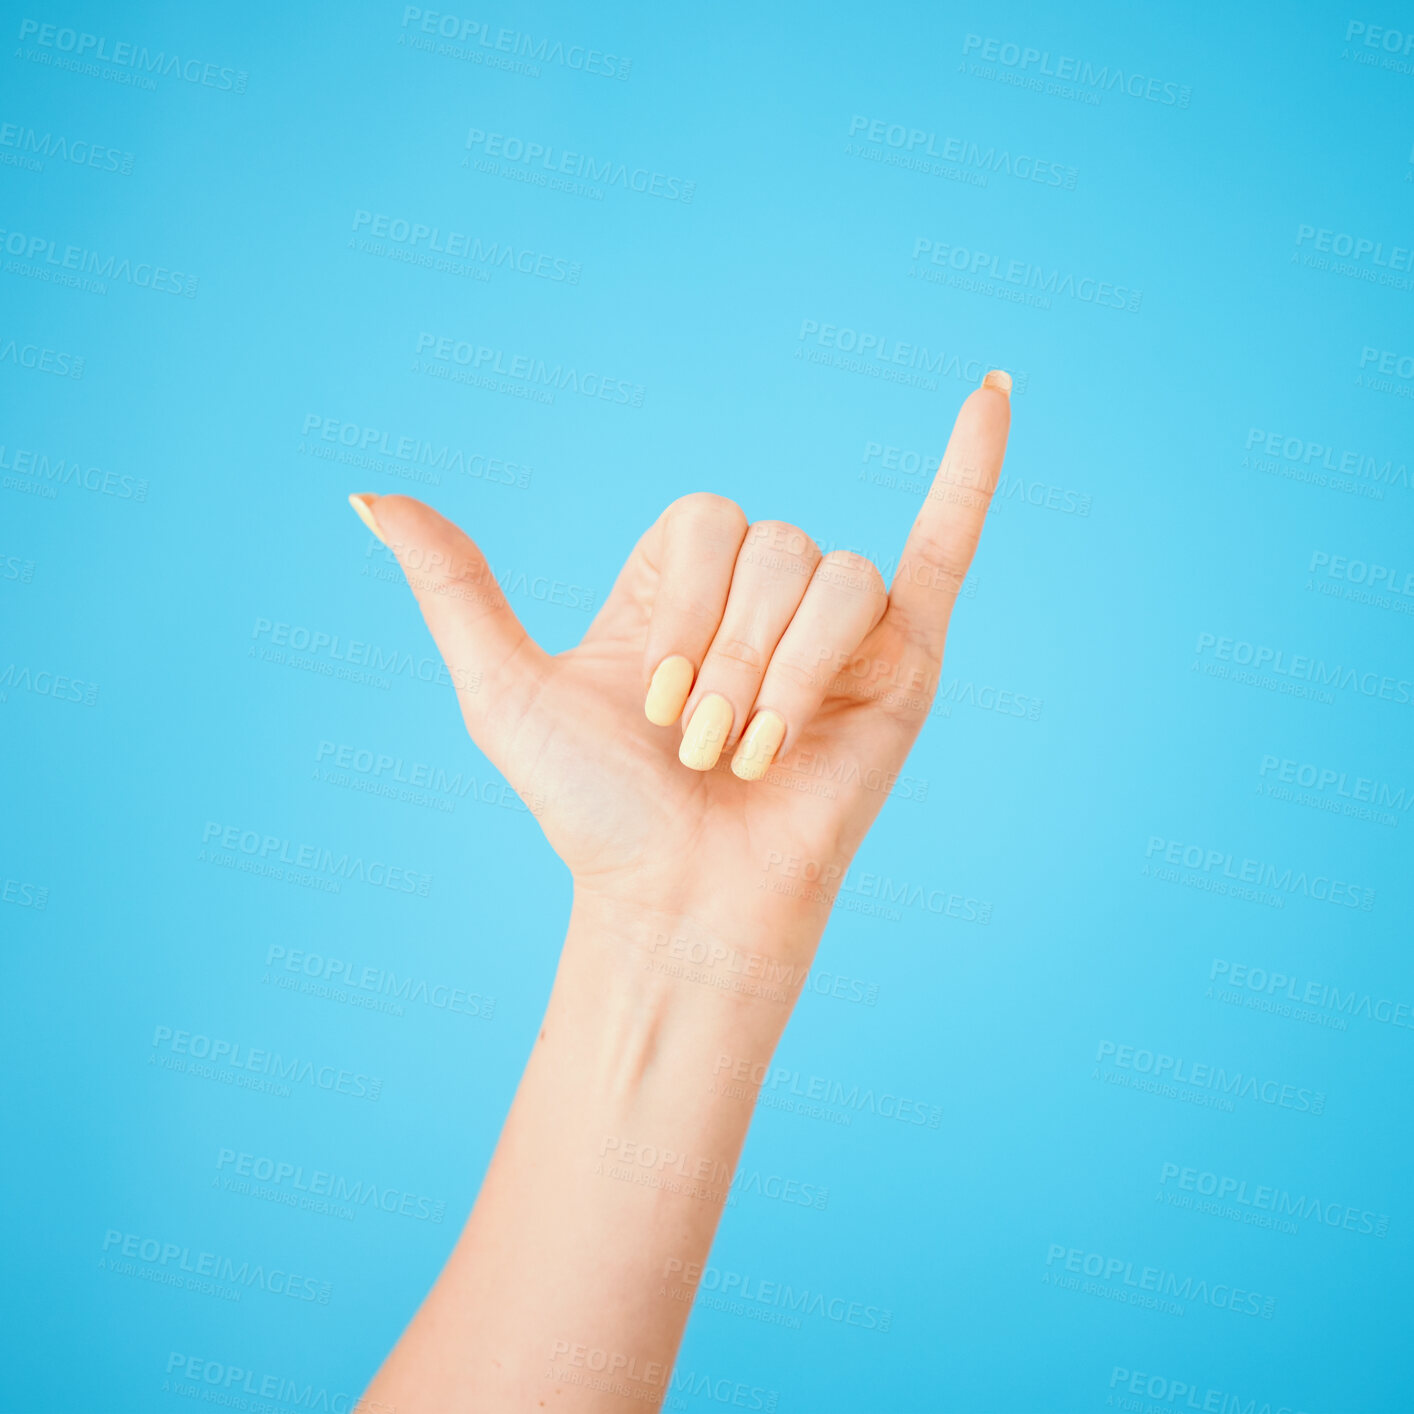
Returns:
point(659, 1064)
point(669, 999)
point(697, 953)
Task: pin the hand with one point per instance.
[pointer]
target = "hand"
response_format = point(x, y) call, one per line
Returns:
point(719, 643)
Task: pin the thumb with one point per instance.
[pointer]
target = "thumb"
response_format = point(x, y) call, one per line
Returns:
point(496, 667)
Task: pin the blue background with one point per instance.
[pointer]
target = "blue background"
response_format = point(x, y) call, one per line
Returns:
point(174, 488)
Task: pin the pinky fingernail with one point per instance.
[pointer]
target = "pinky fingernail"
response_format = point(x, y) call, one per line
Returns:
point(757, 748)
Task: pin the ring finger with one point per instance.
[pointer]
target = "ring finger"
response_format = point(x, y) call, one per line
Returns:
point(845, 600)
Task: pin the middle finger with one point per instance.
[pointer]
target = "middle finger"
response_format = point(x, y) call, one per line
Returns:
point(772, 571)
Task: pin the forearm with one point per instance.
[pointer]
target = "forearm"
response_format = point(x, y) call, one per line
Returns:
point(576, 1271)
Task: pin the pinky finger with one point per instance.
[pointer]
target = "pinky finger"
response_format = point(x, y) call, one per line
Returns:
point(844, 601)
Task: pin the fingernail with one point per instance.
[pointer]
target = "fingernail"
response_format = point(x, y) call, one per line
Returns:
point(998, 379)
point(706, 733)
point(672, 681)
point(757, 749)
point(363, 505)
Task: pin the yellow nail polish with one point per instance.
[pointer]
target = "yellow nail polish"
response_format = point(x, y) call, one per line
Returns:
point(998, 379)
point(672, 681)
point(757, 748)
point(363, 505)
point(706, 733)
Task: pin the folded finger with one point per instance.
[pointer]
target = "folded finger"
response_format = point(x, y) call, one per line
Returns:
point(772, 572)
point(845, 600)
point(699, 540)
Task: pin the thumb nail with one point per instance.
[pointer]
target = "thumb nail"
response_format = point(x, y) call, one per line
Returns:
point(363, 506)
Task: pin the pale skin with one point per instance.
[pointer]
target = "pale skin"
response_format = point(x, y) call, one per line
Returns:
point(702, 884)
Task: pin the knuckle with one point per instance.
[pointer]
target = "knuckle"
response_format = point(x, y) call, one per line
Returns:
point(782, 536)
point(938, 563)
point(852, 571)
point(923, 626)
point(458, 574)
point(707, 508)
point(800, 676)
point(774, 545)
point(463, 569)
point(687, 610)
point(739, 653)
point(961, 482)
